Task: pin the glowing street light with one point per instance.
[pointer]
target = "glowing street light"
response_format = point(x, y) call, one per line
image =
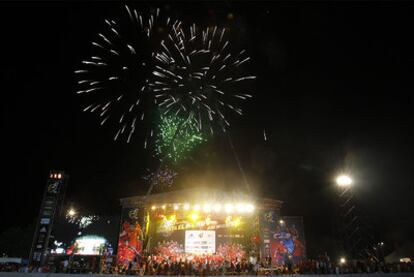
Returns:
point(71, 212)
point(344, 181)
point(342, 260)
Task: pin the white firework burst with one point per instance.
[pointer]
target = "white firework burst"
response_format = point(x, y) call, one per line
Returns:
point(115, 79)
point(198, 75)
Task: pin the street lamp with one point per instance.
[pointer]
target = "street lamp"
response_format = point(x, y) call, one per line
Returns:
point(356, 240)
point(71, 212)
point(344, 181)
point(346, 215)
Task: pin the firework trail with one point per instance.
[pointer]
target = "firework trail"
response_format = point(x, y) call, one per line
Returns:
point(198, 76)
point(115, 79)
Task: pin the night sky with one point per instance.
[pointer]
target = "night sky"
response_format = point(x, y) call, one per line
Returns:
point(333, 92)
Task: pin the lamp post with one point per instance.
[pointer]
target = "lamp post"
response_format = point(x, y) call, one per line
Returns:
point(346, 215)
point(355, 236)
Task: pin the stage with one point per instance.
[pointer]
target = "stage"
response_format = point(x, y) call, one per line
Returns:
point(208, 224)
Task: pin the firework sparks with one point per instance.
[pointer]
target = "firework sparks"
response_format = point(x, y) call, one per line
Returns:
point(115, 79)
point(81, 221)
point(85, 221)
point(71, 218)
point(177, 137)
point(198, 76)
point(164, 179)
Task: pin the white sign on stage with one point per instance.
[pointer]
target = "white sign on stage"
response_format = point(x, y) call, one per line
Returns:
point(200, 242)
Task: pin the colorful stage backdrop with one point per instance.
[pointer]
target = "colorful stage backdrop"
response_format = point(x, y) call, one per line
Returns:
point(283, 238)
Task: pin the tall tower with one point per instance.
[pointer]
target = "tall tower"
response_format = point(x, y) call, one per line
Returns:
point(354, 235)
point(50, 209)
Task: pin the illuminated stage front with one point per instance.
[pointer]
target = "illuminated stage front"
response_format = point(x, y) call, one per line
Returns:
point(204, 222)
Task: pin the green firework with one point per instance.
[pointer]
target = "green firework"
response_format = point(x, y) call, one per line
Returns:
point(177, 137)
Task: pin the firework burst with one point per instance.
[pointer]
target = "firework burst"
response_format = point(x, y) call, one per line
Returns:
point(162, 179)
point(115, 79)
point(177, 137)
point(198, 76)
point(81, 221)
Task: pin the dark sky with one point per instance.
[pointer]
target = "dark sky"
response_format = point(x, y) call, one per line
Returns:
point(333, 92)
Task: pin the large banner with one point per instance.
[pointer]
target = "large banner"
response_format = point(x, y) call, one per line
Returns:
point(200, 242)
point(283, 239)
point(183, 235)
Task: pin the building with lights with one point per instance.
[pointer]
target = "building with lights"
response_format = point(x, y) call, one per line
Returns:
point(208, 222)
point(50, 210)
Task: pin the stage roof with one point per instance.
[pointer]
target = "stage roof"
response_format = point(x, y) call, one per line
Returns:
point(197, 195)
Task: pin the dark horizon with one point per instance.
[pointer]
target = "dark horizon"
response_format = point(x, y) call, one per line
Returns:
point(332, 94)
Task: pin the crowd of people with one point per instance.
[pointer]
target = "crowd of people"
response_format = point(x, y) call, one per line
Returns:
point(206, 265)
point(323, 265)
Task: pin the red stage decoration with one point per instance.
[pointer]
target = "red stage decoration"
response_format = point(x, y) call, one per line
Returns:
point(130, 243)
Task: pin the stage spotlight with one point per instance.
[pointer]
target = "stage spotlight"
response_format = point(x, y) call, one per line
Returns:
point(186, 206)
point(217, 208)
point(196, 207)
point(153, 208)
point(164, 206)
point(229, 208)
point(176, 207)
point(207, 208)
point(236, 222)
point(240, 207)
point(194, 216)
point(249, 208)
